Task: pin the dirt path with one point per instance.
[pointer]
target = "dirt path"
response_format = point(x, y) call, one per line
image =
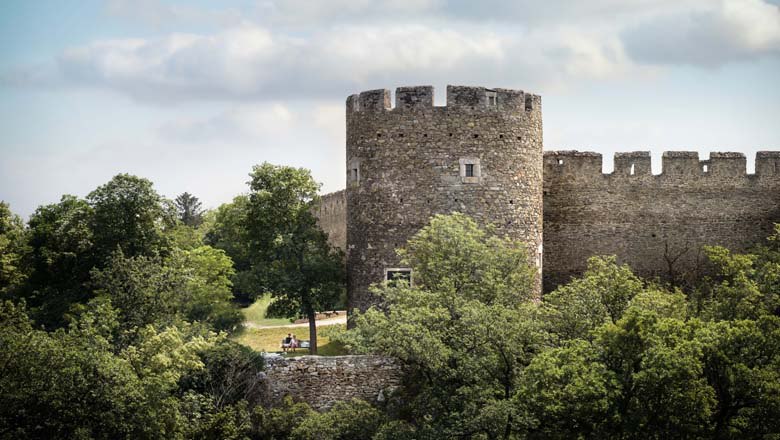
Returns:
point(341, 319)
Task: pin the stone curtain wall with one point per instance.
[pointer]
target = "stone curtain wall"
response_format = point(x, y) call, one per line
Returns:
point(407, 163)
point(651, 221)
point(332, 217)
point(323, 381)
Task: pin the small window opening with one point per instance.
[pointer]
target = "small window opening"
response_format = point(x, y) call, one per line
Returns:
point(560, 161)
point(705, 168)
point(450, 134)
point(476, 136)
point(511, 202)
point(400, 135)
point(392, 276)
point(501, 136)
point(402, 200)
point(632, 169)
point(379, 135)
point(491, 99)
point(425, 135)
point(469, 170)
point(519, 138)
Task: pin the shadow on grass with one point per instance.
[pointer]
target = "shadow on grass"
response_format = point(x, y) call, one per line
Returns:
point(270, 340)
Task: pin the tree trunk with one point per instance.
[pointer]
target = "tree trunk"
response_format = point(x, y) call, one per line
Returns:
point(312, 316)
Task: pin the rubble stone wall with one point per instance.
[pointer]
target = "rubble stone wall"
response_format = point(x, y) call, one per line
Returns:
point(321, 381)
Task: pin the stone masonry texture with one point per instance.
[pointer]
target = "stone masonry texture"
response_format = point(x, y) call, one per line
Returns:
point(323, 381)
point(332, 217)
point(657, 224)
point(406, 163)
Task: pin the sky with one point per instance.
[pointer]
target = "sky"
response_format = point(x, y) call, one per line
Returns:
point(192, 94)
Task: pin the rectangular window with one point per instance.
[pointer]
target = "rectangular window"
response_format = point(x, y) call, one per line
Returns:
point(470, 170)
point(394, 275)
point(491, 98)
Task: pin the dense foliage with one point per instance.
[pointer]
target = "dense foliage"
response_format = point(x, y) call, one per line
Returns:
point(273, 236)
point(605, 356)
point(116, 309)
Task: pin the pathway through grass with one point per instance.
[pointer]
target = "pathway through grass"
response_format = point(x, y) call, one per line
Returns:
point(269, 339)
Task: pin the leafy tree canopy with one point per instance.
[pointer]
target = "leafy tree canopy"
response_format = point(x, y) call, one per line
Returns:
point(189, 208)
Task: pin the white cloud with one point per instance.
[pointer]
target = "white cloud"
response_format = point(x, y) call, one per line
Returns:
point(244, 122)
point(249, 62)
point(158, 14)
point(717, 33)
point(524, 44)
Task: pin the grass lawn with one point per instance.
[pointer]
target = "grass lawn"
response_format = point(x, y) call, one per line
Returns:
point(269, 340)
point(256, 313)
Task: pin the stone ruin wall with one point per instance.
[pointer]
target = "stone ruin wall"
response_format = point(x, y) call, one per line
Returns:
point(406, 163)
point(322, 381)
point(646, 220)
point(651, 220)
point(332, 218)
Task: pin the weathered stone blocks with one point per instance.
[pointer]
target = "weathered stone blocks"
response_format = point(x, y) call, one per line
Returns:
point(414, 162)
point(321, 381)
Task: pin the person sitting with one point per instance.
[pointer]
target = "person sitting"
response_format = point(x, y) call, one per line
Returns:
point(286, 342)
point(294, 343)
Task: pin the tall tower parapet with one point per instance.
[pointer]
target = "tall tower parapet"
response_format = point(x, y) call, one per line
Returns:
point(480, 155)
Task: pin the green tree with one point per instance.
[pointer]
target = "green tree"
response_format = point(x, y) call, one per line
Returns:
point(290, 254)
point(278, 422)
point(599, 296)
point(465, 328)
point(130, 215)
point(742, 365)
point(189, 209)
point(567, 393)
point(353, 420)
point(659, 365)
point(228, 232)
point(13, 250)
point(191, 285)
point(746, 286)
point(73, 383)
point(61, 257)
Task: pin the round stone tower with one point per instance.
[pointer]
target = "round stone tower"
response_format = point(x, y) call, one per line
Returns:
point(480, 155)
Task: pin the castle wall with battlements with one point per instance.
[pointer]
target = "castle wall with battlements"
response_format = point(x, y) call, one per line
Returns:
point(481, 154)
point(657, 224)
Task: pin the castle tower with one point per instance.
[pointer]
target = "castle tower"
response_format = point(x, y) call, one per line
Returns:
point(480, 155)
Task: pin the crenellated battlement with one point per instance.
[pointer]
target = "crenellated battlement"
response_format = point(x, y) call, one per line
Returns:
point(421, 98)
point(481, 154)
point(674, 165)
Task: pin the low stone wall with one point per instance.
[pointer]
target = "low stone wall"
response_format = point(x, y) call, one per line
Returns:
point(321, 381)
